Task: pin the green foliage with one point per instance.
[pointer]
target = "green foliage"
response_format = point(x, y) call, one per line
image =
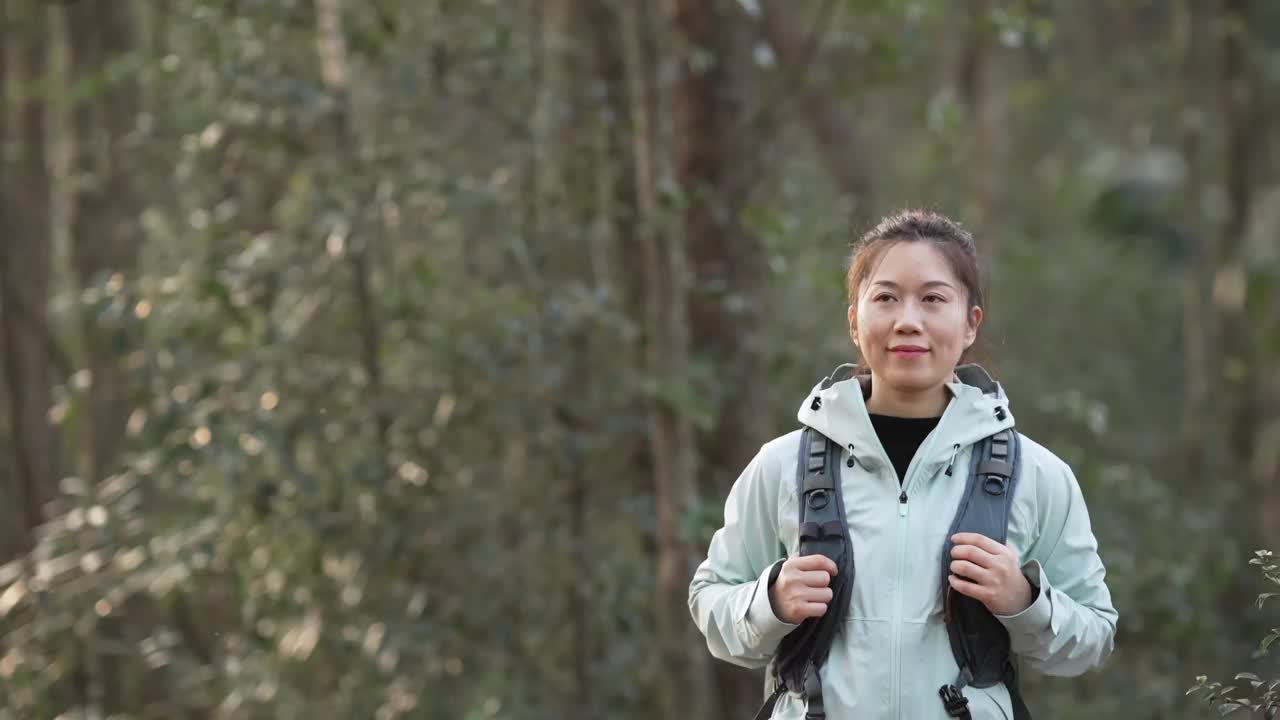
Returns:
point(1256, 695)
point(434, 498)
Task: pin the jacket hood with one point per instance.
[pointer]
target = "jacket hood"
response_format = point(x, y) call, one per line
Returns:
point(836, 407)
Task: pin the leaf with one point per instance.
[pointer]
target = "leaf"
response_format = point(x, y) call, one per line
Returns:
point(1270, 639)
point(1247, 676)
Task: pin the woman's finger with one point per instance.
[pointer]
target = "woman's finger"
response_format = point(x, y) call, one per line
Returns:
point(814, 562)
point(971, 572)
point(819, 595)
point(973, 590)
point(979, 541)
point(813, 610)
point(814, 578)
point(975, 555)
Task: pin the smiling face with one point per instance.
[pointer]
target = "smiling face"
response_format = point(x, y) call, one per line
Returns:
point(912, 323)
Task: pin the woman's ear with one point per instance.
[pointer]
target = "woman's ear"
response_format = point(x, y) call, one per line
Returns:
point(971, 326)
point(853, 324)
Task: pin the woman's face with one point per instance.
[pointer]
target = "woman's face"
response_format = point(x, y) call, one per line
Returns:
point(912, 320)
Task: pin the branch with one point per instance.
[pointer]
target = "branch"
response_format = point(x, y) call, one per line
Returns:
point(762, 120)
point(331, 48)
point(833, 130)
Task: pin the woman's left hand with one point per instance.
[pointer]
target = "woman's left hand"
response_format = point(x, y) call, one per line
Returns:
point(990, 573)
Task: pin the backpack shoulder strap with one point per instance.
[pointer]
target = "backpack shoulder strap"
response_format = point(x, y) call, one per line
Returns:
point(824, 530)
point(979, 641)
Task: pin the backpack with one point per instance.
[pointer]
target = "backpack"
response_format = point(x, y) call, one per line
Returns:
point(979, 641)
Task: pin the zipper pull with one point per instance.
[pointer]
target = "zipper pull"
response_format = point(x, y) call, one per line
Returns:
point(902, 504)
point(955, 451)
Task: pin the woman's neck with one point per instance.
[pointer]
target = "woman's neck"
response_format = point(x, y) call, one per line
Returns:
point(886, 400)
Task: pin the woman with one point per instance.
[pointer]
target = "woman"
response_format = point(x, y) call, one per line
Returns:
point(906, 421)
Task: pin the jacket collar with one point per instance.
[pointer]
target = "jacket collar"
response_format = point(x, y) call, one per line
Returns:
point(978, 408)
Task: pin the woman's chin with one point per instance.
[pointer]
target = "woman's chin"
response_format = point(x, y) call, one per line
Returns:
point(913, 380)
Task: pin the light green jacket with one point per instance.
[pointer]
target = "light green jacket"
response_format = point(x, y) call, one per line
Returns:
point(893, 654)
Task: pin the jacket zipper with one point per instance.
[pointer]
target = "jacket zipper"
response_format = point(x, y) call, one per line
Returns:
point(896, 646)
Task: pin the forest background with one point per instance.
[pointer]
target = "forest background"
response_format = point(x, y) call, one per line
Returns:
point(394, 358)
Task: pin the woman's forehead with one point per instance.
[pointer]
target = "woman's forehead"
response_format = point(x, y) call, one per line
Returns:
point(914, 264)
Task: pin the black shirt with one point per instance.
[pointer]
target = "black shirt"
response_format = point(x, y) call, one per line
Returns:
point(901, 438)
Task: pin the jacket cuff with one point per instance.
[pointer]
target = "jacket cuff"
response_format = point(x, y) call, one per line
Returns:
point(766, 627)
point(1035, 619)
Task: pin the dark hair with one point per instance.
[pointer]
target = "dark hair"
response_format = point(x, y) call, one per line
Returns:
point(948, 236)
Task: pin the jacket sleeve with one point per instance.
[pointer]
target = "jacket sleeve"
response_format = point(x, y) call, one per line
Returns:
point(1070, 627)
point(729, 596)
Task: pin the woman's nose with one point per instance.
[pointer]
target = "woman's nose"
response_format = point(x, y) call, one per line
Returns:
point(908, 318)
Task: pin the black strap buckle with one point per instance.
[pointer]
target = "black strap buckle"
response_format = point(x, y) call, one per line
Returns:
point(956, 703)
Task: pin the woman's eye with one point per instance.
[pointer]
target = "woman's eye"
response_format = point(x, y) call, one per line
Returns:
point(934, 298)
point(883, 297)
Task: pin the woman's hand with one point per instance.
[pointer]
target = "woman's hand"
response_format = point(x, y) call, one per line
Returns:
point(803, 588)
point(990, 573)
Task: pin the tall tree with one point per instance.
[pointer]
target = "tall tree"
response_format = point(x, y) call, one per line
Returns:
point(666, 357)
point(716, 169)
point(1231, 281)
point(1242, 322)
point(570, 259)
point(25, 261)
point(1196, 280)
point(105, 227)
point(981, 85)
point(716, 165)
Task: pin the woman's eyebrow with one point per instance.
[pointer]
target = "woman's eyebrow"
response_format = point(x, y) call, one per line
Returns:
point(932, 283)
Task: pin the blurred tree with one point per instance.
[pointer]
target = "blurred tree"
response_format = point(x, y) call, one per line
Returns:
point(106, 205)
point(983, 92)
point(713, 104)
point(25, 263)
point(667, 355)
point(1196, 273)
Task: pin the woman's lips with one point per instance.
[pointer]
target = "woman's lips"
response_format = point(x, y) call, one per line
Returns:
point(908, 351)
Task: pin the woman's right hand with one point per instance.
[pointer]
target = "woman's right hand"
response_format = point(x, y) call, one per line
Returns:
point(803, 588)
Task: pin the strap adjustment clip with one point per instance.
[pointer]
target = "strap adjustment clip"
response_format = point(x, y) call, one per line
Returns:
point(956, 703)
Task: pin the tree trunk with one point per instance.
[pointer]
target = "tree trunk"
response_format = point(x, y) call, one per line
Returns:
point(716, 163)
point(564, 215)
point(24, 273)
point(105, 237)
point(105, 232)
point(1195, 282)
point(715, 170)
point(1231, 278)
point(1243, 326)
point(618, 203)
point(981, 88)
point(1237, 334)
point(682, 688)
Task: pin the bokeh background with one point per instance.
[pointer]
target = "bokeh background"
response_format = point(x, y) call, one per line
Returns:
point(393, 359)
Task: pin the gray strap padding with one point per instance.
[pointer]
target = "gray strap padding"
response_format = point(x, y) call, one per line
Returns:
point(979, 641)
point(823, 531)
